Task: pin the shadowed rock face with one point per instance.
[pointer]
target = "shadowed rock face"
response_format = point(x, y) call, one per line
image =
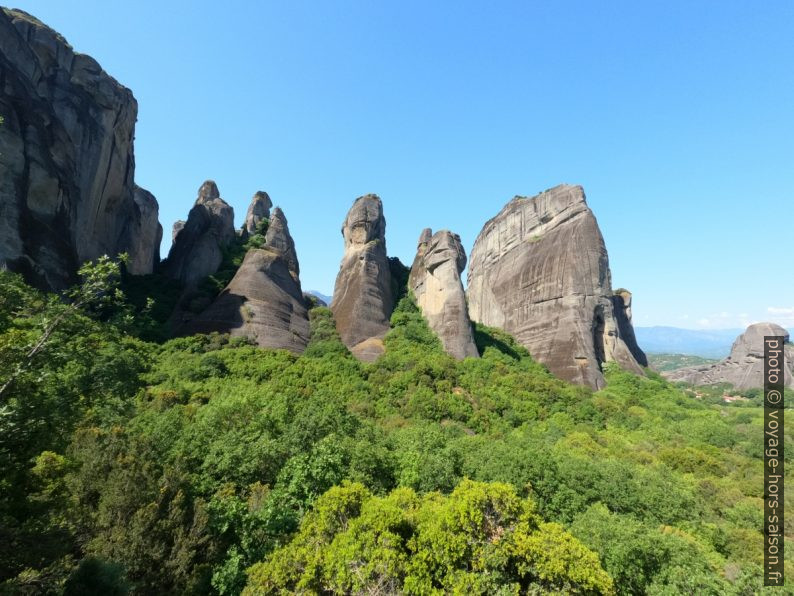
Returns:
point(363, 301)
point(744, 368)
point(437, 287)
point(67, 191)
point(540, 271)
point(279, 239)
point(197, 250)
point(258, 210)
point(621, 303)
point(262, 302)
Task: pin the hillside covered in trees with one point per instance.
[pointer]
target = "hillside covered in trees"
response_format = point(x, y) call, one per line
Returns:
point(207, 465)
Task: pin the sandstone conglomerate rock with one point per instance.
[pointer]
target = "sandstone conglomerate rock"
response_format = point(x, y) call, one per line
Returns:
point(438, 290)
point(67, 190)
point(279, 239)
point(198, 246)
point(258, 210)
point(363, 300)
point(539, 270)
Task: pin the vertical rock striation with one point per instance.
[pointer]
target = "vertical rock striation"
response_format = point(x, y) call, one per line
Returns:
point(621, 303)
point(363, 301)
point(437, 287)
point(540, 271)
point(198, 246)
point(67, 191)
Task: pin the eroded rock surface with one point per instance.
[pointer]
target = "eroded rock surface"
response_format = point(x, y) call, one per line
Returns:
point(67, 191)
point(262, 302)
point(279, 239)
point(363, 300)
point(540, 271)
point(744, 368)
point(198, 246)
point(258, 211)
point(437, 287)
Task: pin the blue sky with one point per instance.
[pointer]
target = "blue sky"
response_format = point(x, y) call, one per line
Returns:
point(676, 117)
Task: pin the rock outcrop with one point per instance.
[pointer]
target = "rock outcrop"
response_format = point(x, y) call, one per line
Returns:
point(744, 368)
point(437, 287)
point(363, 300)
point(540, 271)
point(279, 239)
point(258, 210)
point(197, 250)
point(67, 191)
point(621, 303)
point(264, 300)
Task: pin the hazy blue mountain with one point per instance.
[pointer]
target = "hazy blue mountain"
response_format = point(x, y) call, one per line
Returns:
point(708, 343)
point(324, 297)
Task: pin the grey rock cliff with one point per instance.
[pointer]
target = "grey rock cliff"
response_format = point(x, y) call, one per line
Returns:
point(363, 302)
point(197, 250)
point(744, 368)
point(264, 300)
point(437, 287)
point(540, 271)
point(67, 191)
point(258, 210)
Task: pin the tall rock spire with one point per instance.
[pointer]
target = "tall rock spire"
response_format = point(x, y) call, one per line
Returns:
point(437, 287)
point(363, 300)
point(198, 246)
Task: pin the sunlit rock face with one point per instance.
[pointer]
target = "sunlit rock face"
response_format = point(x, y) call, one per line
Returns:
point(67, 190)
point(744, 368)
point(539, 270)
point(363, 301)
point(436, 285)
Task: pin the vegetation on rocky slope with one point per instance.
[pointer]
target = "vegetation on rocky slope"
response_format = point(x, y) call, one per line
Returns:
point(207, 465)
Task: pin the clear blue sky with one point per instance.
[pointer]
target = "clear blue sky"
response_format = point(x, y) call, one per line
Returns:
point(676, 117)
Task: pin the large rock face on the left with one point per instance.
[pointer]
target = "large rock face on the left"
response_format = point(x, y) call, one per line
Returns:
point(67, 190)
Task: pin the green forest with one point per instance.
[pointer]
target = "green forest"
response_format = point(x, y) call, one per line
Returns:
point(132, 464)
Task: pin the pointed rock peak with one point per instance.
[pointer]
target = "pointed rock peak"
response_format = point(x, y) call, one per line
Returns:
point(208, 192)
point(436, 285)
point(364, 222)
point(278, 239)
point(198, 245)
point(258, 210)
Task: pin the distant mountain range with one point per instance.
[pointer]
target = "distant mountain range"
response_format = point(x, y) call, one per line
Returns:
point(323, 297)
point(708, 343)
